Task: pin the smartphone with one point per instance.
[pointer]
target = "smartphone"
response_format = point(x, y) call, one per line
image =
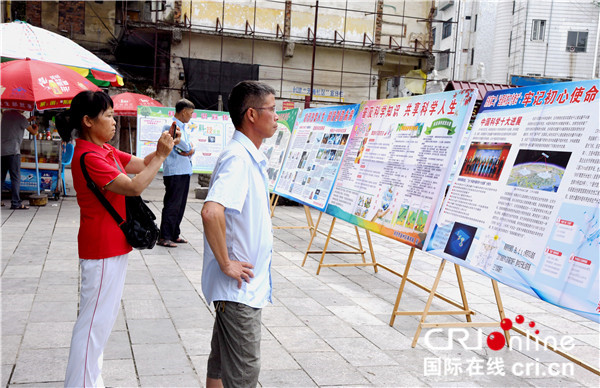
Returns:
point(173, 130)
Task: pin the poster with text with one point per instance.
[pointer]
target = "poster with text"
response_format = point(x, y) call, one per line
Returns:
point(396, 167)
point(209, 132)
point(524, 206)
point(314, 154)
point(274, 147)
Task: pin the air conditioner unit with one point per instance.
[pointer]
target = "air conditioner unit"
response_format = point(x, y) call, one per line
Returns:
point(446, 4)
point(381, 58)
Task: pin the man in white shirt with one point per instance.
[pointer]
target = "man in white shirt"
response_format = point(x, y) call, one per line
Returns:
point(238, 240)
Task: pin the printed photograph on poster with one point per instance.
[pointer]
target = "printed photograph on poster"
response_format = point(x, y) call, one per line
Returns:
point(460, 240)
point(485, 160)
point(539, 169)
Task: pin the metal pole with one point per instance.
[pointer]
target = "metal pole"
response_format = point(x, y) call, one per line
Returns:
point(312, 70)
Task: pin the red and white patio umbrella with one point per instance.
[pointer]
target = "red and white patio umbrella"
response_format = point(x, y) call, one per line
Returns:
point(26, 84)
point(125, 104)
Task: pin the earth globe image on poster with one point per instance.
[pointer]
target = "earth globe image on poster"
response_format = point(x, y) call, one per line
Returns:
point(539, 170)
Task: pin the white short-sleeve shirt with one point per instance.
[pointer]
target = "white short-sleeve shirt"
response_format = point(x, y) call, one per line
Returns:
point(240, 183)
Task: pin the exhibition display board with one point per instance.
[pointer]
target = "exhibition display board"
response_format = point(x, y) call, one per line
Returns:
point(523, 208)
point(209, 132)
point(274, 147)
point(314, 155)
point(396, 166)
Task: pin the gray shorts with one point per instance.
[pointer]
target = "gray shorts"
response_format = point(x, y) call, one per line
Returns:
point(235, 345)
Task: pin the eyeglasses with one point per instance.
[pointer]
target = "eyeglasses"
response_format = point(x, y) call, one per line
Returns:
point(269, 108)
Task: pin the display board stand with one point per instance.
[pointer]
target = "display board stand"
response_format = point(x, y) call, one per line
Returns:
point(354, 250)
point(309, 220)
point(466, 309)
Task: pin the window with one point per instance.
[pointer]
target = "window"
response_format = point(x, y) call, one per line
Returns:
point(472, 56)
point(444, 60)
point(538, 29)
point(433, 31)
point(577, 41)
point(447, 28)
point(475, 24)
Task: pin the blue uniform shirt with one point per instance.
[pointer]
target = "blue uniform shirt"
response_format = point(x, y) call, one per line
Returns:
point(176, 164)
point(240, 183)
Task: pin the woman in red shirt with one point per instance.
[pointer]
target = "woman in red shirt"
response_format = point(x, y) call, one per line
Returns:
point(103, 249)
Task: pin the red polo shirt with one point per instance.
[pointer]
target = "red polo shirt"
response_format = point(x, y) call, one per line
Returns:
point(99, 235)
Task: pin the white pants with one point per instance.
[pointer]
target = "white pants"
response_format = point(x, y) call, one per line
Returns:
point(102, 284)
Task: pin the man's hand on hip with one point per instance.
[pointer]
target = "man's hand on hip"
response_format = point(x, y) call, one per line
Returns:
point(239, 270)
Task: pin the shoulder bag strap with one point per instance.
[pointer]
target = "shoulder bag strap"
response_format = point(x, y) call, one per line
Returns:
point(92, 186)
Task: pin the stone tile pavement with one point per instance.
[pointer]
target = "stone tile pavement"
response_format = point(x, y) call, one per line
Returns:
point(325, 330)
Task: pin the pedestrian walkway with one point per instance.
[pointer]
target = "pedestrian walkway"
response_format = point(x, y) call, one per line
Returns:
point(325, 330)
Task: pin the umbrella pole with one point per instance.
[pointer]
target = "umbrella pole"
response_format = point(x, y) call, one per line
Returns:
point(37, 167)
point(37, 200)
point(130, 143)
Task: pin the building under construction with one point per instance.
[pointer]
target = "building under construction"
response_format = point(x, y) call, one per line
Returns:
point(329, 52)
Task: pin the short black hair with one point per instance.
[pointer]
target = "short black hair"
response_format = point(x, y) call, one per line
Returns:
point(244, 95)
point(86, 103)
point(183, 104)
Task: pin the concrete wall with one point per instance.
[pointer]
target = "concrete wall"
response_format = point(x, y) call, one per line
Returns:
point(341, 76)
point(99, 21)
point(291, 81)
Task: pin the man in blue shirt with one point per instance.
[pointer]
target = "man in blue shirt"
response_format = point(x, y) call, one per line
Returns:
point(177, 169)
point(238, 240)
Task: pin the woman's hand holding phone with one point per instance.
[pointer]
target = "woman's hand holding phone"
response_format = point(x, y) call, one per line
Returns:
point(175, 133)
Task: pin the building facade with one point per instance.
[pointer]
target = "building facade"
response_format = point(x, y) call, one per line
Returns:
point(516, 42)
point(331, 51)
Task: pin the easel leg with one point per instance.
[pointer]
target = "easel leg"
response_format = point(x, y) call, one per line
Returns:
point(500, 309)
point(362, 255)
point(371, 250)
point(463, 294)
point(428, 305)
point(312, 237)
point(309, 220)
point(402, 283)
point(326, 244)
point(273, 203)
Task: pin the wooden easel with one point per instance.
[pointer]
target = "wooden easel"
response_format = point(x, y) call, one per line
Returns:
point(354, 250)
point(274, 198)
point(376, 265)
point(464, 308)
point(469, 323)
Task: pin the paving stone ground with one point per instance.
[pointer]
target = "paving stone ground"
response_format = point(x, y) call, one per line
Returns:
point(330, 329)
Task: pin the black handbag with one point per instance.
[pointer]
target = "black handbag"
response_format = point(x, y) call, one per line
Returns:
point(139, 228)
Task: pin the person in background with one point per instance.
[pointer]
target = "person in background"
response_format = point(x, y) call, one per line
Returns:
point(102, 246)
point(177, 170)
point(13, 125)
point(238, 240)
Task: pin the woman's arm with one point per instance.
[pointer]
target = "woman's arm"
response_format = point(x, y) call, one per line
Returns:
point(124, 185)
